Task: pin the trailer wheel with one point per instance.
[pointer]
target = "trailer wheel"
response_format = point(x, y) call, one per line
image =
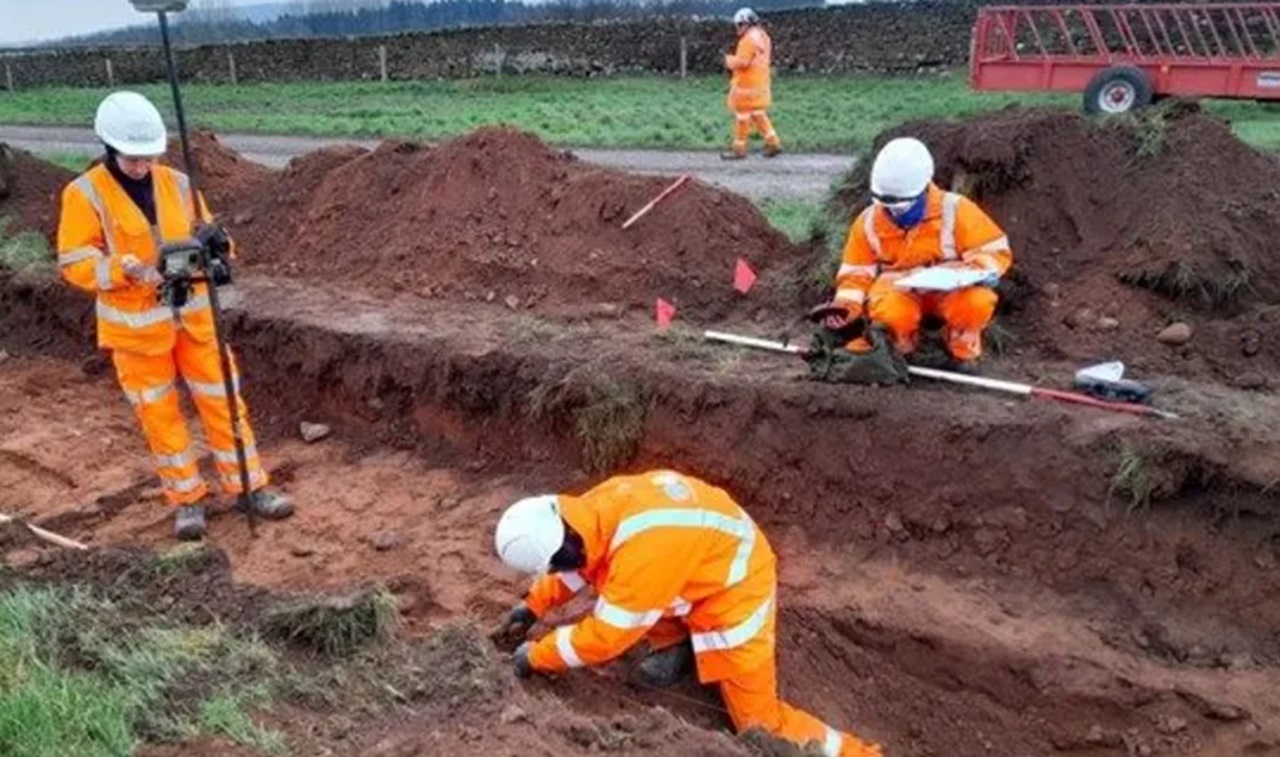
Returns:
point(1117, 89)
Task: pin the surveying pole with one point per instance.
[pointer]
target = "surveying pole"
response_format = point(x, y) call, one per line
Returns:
point(162, 9)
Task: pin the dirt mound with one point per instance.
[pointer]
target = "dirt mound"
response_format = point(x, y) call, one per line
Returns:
point(1120, 227)
point(30, 190)
point(223, 174)
point(498, 216)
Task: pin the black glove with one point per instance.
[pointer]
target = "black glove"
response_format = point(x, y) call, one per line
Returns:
point(514, 627)
point(520, 659)
point(217, 246)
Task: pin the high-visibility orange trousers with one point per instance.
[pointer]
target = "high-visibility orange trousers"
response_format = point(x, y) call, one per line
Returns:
point(745, 121)
point(967, 312)
point(752, 701)
point(149, 383)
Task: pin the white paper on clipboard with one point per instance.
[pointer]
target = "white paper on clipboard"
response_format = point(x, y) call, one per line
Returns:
point(941, 279)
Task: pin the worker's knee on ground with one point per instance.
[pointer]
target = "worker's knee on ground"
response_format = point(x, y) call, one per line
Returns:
point(971, 308)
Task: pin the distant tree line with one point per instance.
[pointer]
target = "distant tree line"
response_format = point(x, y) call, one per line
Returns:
point(214, 21)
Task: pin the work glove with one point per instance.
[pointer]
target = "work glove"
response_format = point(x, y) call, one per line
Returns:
point(138, 272)
point(835, 316)
point(520, 660)
point(514, 627)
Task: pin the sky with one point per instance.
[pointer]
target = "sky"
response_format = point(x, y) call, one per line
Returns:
point(36, 20)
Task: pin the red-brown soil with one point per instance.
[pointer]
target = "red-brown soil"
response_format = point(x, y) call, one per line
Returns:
point(961, 573)
point(497, 216)
point(30, 189)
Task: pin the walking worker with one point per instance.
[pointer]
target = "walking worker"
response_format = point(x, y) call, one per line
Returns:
point(114, 219)
point(673, 561)
point(750, 93)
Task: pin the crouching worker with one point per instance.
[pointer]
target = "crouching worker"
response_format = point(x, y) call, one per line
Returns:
point(673, 561)
point(114, 219)
point(912, 225)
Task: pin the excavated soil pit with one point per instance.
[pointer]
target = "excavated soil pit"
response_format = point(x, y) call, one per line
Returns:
point(961, 574)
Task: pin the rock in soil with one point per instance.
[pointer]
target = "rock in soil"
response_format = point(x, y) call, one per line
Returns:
point(1175, 334)
point(313, 432)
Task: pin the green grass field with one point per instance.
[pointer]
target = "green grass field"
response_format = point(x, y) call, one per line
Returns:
point(812, 112)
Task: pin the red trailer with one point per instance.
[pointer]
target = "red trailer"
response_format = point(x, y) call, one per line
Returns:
point(1125, 56)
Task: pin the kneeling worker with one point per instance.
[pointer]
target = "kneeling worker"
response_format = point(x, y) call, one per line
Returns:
point(911, 225)
point(675, 561)
point(115, 217)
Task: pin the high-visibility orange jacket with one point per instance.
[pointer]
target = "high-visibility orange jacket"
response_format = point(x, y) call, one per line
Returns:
point(663, 545)
point(99, 226)
point(750, 63)
point(954, 231)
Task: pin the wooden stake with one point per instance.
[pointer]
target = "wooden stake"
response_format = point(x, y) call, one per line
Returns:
point(48, 536)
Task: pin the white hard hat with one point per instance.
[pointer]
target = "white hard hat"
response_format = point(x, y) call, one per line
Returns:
point(903, 169)
point(128, 122)
point(529, 533)
point(745, 16)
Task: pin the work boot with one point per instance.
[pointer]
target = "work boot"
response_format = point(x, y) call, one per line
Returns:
point(188, 523)
point(666, 667)
point(268, 503)
point(772, 151)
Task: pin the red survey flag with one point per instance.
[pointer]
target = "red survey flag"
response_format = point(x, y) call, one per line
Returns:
point(666, 312)
point(743, 277)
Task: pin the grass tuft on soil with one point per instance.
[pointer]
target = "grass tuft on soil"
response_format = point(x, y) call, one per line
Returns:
point(1136, 477)
point(608, 415)
point(23, 250)
point(332, 626)
point(83, 678)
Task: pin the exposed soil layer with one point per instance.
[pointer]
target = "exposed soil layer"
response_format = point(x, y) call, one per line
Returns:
point(1120, 228)
point(961, 573)
point(497, 216)
point(30, 189)
point(944, 604)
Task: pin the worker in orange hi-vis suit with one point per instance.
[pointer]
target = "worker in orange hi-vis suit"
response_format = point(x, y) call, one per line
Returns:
point(673, 561)
point(114, 219)
point(913, 224)
point(750, 93)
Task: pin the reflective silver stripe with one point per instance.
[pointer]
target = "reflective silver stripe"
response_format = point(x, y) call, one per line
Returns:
point(139, 320)
point(90, 193)
point(199, 302)
point(564, 645)
point(833, 744)
point(622, 618)
point(869, 226)
point(572, 580)
point(180, 460)
point(999, 244)
point(679, 607)
point(851, 295)
point(742, 116)
point(731, 638)
point(857, 270)
point(212, 388)
point(71, 257)
point(232, 480)
point(742, 528)
point(250, 453)
point(950, 207)
point(102, 274)
point(184, 192)
point(183, 485)
point(147, 396)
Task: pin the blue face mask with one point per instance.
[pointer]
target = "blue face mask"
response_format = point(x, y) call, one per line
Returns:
point(911, 215)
